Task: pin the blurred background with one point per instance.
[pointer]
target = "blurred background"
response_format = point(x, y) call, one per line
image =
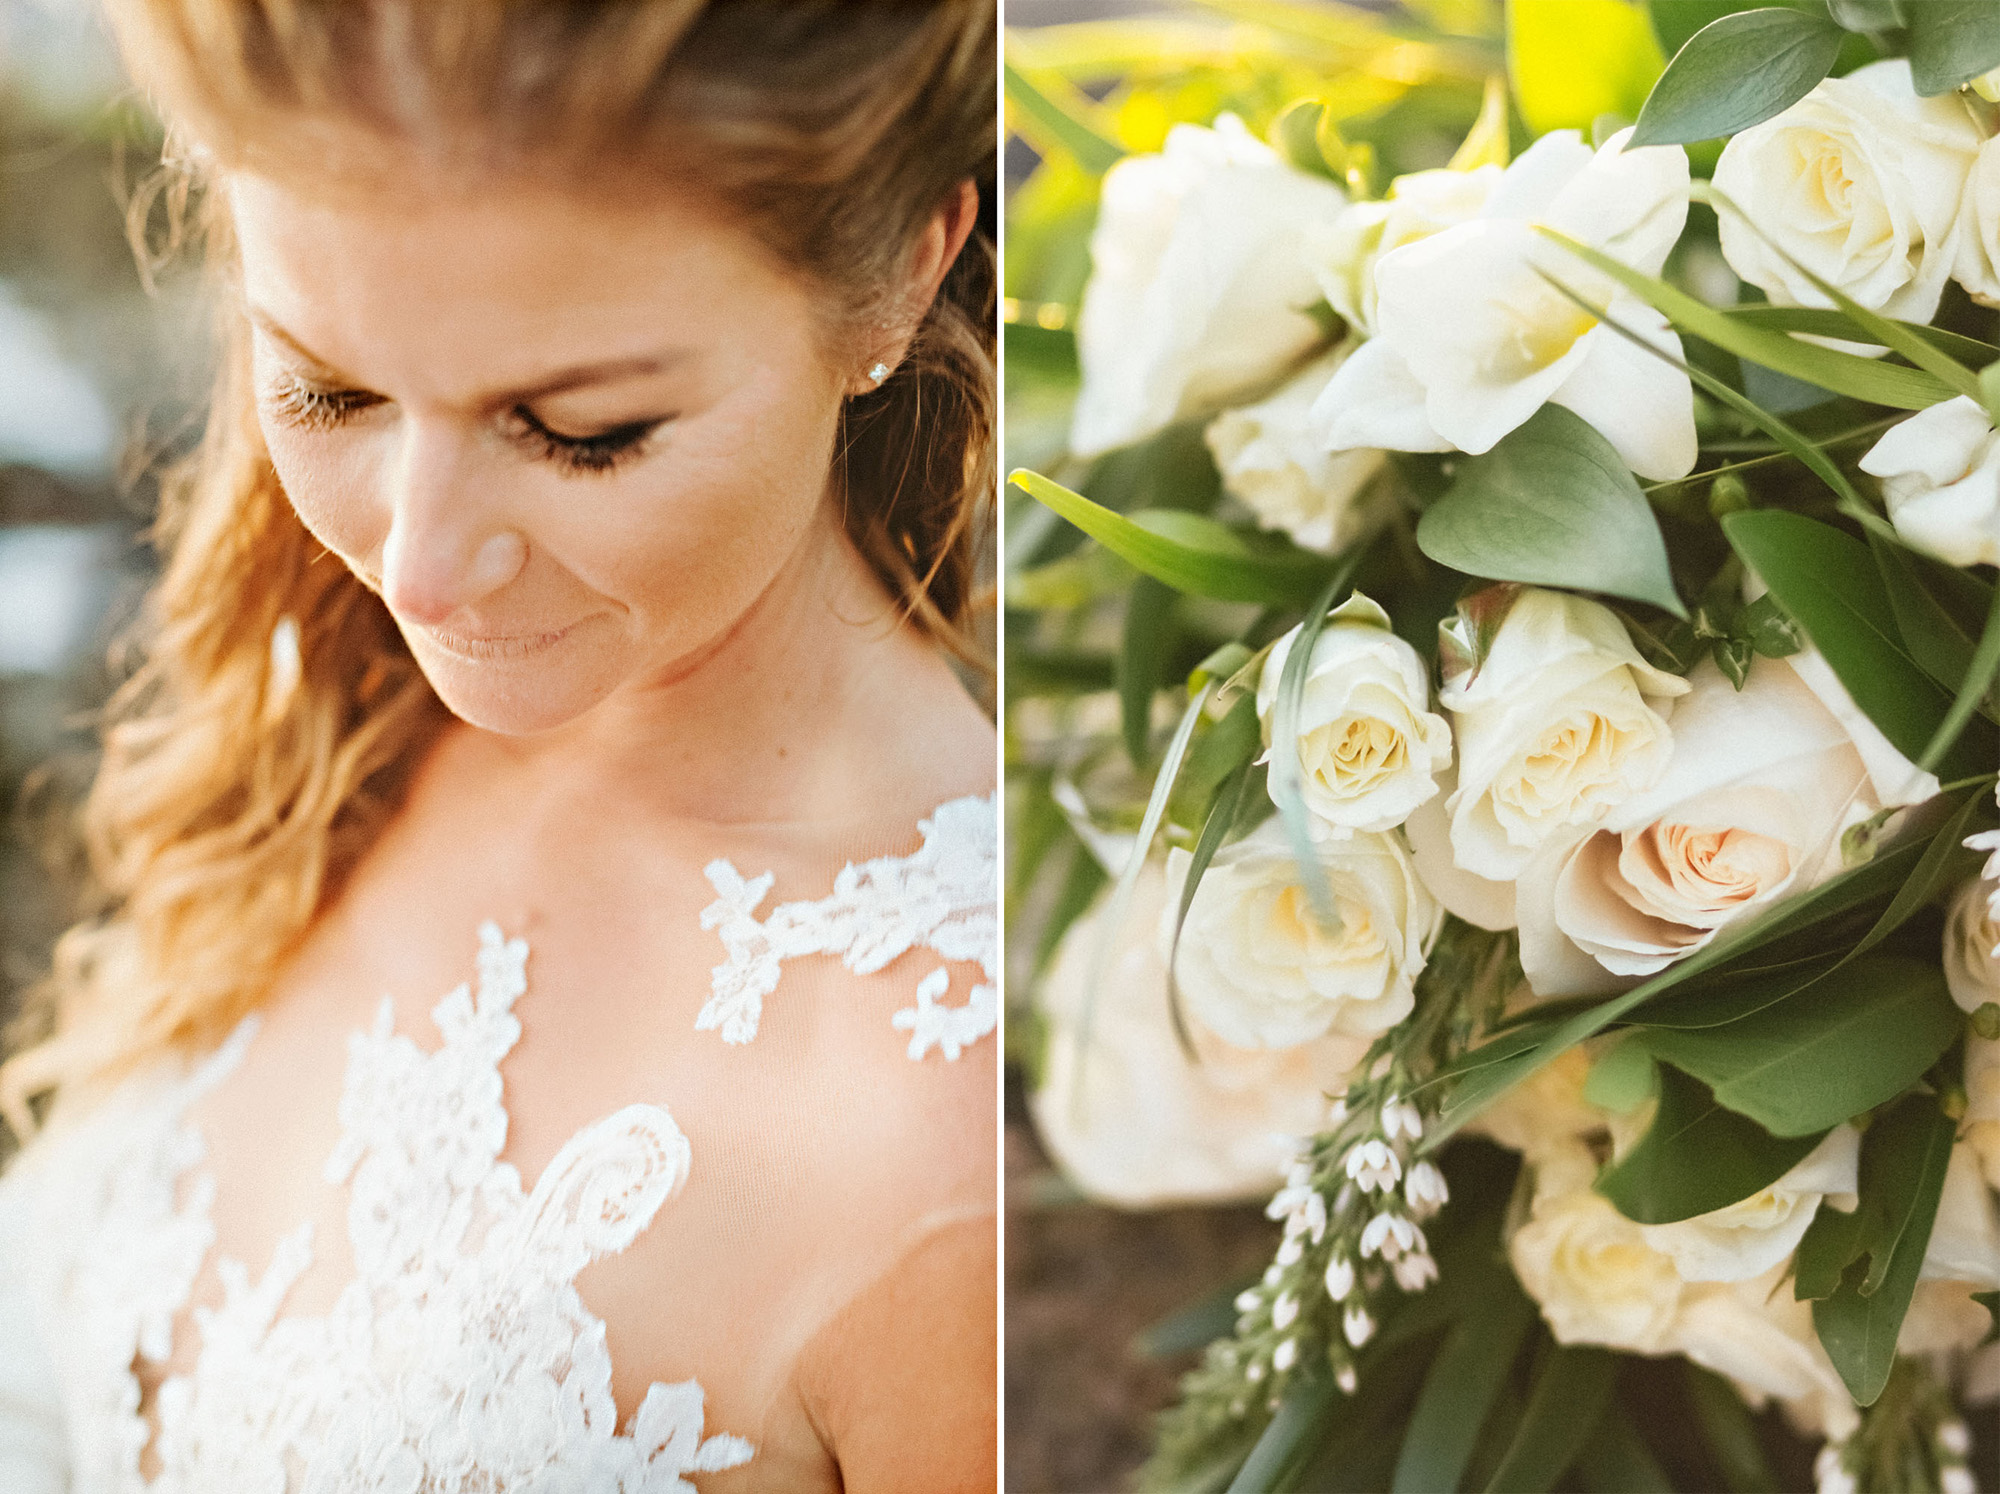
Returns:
point(97, 373)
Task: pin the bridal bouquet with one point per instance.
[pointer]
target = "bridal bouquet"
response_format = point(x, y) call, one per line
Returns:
point(1502, 638)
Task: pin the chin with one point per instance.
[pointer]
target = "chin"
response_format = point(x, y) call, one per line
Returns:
point(513, 697)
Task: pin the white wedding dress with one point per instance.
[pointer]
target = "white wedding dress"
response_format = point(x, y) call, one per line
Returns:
point(459, 1355)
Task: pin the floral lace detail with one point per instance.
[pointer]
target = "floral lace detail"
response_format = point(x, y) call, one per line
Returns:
point(941, 897)
point(460, 1356)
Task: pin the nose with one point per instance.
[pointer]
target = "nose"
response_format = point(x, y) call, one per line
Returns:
point(447, 547)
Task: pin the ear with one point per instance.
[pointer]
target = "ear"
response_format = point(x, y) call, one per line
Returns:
point(936, 250)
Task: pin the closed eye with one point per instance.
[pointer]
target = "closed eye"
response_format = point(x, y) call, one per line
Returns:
point(308, 406)
point(574, 455)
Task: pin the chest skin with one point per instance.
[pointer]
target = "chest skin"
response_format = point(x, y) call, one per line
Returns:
point(724, 1286)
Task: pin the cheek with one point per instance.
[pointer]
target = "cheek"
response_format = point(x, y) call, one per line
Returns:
point(331, 479)
point(696, 532)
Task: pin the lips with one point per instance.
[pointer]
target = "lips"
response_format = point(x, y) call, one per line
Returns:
point(485, 647)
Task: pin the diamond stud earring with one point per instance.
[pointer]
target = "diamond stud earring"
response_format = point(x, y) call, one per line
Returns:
point(879, 372)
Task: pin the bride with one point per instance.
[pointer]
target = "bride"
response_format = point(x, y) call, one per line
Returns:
point(535, 1033)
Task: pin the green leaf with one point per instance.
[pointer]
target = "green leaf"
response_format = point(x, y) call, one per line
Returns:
point(1728, 1432)
point(1697, 1157)
point(1769, 629)
point(1142, 662)
point(1623, 1079)
point(1853, 1039)
point(1617, 1461)
point(1218, 754)
point(1824, 321)
point(1553, 504)
point(1944, 864)
point(1057, 114)
point(1841, 373)
point(1301, 1412)
point(1190, 552)
point(1941, 647)
point(1459, 1390)
point(1674, 21)
point(1563, 1408)
point(1287, 791)
point(1707, 91)
point(1989, 391)
point(1866, 15)
point(1951, 43)
point(1972, 692)
point(1572, 60)
point(1481, 1079)
point(1295, 133)
point(1903, 1159)
point(1829, 582)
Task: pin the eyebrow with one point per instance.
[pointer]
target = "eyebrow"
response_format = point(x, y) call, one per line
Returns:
point(560, 381)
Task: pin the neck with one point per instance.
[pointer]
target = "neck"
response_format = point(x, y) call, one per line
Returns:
point(790, 714)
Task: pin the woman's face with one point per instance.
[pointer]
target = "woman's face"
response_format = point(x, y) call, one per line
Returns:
point(570, 440)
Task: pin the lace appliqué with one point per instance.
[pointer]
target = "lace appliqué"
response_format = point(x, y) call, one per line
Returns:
point(941, 897)
point(460, 1356)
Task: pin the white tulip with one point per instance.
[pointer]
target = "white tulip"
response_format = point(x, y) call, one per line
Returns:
point(1751, 807)
point(1470, 340)
point(1749, 1237)
point(1150, 1128)
point(1342, 252)
point(1940, 472)
point(1860, 182)
point(1197, 291)
point(1271, 458)
point(1561, 721)
point(1258, 968)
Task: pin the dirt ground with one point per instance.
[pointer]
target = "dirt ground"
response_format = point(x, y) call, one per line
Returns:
point(1083, 1282)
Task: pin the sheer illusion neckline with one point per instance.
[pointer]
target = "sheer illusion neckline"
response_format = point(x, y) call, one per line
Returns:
point(460, 1354)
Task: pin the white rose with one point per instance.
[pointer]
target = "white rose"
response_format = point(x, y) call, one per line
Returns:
point(1751, 1236)
point(1560, 722)
point(1981, 1126)
point(1270, 458)
point(1971, 969)
point(1342, 252)
point(1589, 1268)
point(1762, 1338)
point(1940, 472)
point(1197, 291)
point(1150, 1128)
point(1257, 968)
point(1860, 182)
point(1965, 1237)
point(1369, 747)
point(1546, 1112)
point(1751, 808)
point(1978, 267)
point(1470, 340)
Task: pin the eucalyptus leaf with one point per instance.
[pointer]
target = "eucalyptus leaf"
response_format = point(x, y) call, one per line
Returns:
point(1697, 1157)
point(1867, 15)
point(1855, 1038)
point(1830, 583)
point(1553, 504)
point(1190, 552)
point(1903, 1160)
point(1708, 91)
point(1951, 42)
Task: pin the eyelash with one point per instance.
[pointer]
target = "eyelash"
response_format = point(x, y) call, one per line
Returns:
point(300, 404)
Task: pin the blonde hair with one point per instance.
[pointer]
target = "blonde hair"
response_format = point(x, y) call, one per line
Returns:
point(243, 778)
